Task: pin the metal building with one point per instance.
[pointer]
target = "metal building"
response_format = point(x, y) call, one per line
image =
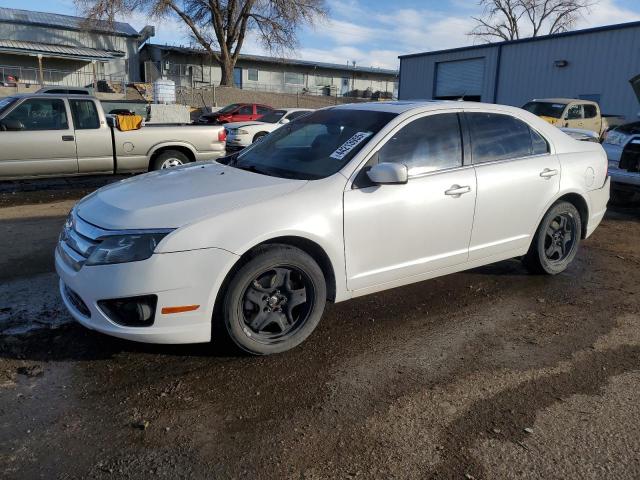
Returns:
point(592, 64)
point(53, 49)
point(194, 67)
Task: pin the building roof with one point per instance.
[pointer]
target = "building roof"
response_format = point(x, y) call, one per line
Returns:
point(66, 22)
point(57, 51)
point(606, 28)
point(288, 61)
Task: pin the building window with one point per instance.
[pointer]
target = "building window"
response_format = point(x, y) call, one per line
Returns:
point(323, 81)
point(293, 78)
point(252, 74)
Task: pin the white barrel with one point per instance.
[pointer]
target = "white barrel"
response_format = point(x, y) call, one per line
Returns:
point(164, 91)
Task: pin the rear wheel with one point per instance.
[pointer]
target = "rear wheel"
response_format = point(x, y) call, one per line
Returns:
point(556, 241)
point(169, 159)
point(274, 301)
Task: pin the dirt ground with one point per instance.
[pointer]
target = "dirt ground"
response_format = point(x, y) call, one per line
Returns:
point(487, 374)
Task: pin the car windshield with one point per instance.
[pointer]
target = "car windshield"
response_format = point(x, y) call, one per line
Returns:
point(273, 117)
point(6, 103)
point(545, 109)
point(314, 146)
point(228, 108)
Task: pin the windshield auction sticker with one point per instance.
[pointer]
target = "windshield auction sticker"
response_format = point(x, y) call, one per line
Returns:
point(349, 145)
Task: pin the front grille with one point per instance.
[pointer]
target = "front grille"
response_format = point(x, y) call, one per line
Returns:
point(77, 302)
point(77, 241)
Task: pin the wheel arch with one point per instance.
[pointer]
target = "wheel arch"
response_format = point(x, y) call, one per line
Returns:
point(182, 148)
point(308, 246)
point(581, 205)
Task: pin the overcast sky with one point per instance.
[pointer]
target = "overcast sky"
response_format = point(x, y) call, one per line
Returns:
point(370, 32)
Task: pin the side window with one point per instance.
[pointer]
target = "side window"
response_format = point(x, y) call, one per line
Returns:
point(41, 114)
point(498, 137)
point(246, 110)
point(574, 112)
point(85, 114)
point(262, 110)
point(425, 145)
point(590, 111)
point(539, 145)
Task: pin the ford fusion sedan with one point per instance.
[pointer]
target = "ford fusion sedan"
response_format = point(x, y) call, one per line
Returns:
point(346, 201)
point(243, 134)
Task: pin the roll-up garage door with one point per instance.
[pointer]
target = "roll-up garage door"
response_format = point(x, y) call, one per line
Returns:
point(460, 78)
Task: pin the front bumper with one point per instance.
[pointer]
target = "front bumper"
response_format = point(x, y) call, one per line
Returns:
point(181, 278)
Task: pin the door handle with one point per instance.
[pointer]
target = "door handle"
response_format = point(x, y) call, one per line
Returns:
point(457, 190)
point(68, 138)
point(548, 173)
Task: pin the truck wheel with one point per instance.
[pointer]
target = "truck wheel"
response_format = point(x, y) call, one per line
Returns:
point(556, 241)
point(258, 136)
point(274, 301)
point(168, 159)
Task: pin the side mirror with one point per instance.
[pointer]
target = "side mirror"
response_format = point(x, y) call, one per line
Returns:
point(386, 173)
point(112, 121)
point(11, 125)
point(284, 121)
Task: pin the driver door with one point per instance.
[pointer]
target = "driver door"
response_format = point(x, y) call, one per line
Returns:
point(394, 232)
point(44, 144)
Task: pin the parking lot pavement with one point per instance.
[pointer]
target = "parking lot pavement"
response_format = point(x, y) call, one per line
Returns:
point(491, 373)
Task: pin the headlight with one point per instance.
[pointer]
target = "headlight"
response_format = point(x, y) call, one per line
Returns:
point(125, 248)
point(243, 132)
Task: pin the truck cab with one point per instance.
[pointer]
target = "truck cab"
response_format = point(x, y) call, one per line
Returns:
point(573, 113)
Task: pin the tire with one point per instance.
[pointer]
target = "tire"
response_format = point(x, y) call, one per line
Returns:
point(169, 159)
point(273, 301)
point(259, 135)
point(556, 241)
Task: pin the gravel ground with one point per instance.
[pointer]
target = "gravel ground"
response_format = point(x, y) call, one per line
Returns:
point(487, 374)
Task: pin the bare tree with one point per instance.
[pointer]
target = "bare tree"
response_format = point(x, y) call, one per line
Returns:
point(221, 26)
point(514, 19)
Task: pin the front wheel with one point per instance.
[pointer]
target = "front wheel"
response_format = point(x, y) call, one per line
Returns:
point(274, 301)
point(258, 136)
point(556, 241)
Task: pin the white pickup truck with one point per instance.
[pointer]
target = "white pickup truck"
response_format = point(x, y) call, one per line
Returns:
point(44, 135)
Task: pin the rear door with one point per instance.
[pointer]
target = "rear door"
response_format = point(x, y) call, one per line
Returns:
point(592, 121)
point(44, 143)
point(93, 138)
point(517, 178)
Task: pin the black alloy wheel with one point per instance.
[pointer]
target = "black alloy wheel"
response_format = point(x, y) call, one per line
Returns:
point(560, 237)
point(276, 302)
point(556, 241)
point(272, 302)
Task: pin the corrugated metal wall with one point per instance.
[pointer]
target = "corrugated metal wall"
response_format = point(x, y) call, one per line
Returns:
point(118, 67)
point(599, 63)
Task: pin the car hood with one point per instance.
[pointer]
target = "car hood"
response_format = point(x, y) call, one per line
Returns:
point(179, 196)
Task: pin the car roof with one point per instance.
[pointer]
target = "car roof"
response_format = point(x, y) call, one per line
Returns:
point(562, 100)
point(53, 95)
point(403, 106)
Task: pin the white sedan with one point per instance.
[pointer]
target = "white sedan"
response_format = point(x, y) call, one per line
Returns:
point(243, 134)
point(343, 202)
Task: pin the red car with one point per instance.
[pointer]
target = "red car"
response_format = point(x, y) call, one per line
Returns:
point(236, 112)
